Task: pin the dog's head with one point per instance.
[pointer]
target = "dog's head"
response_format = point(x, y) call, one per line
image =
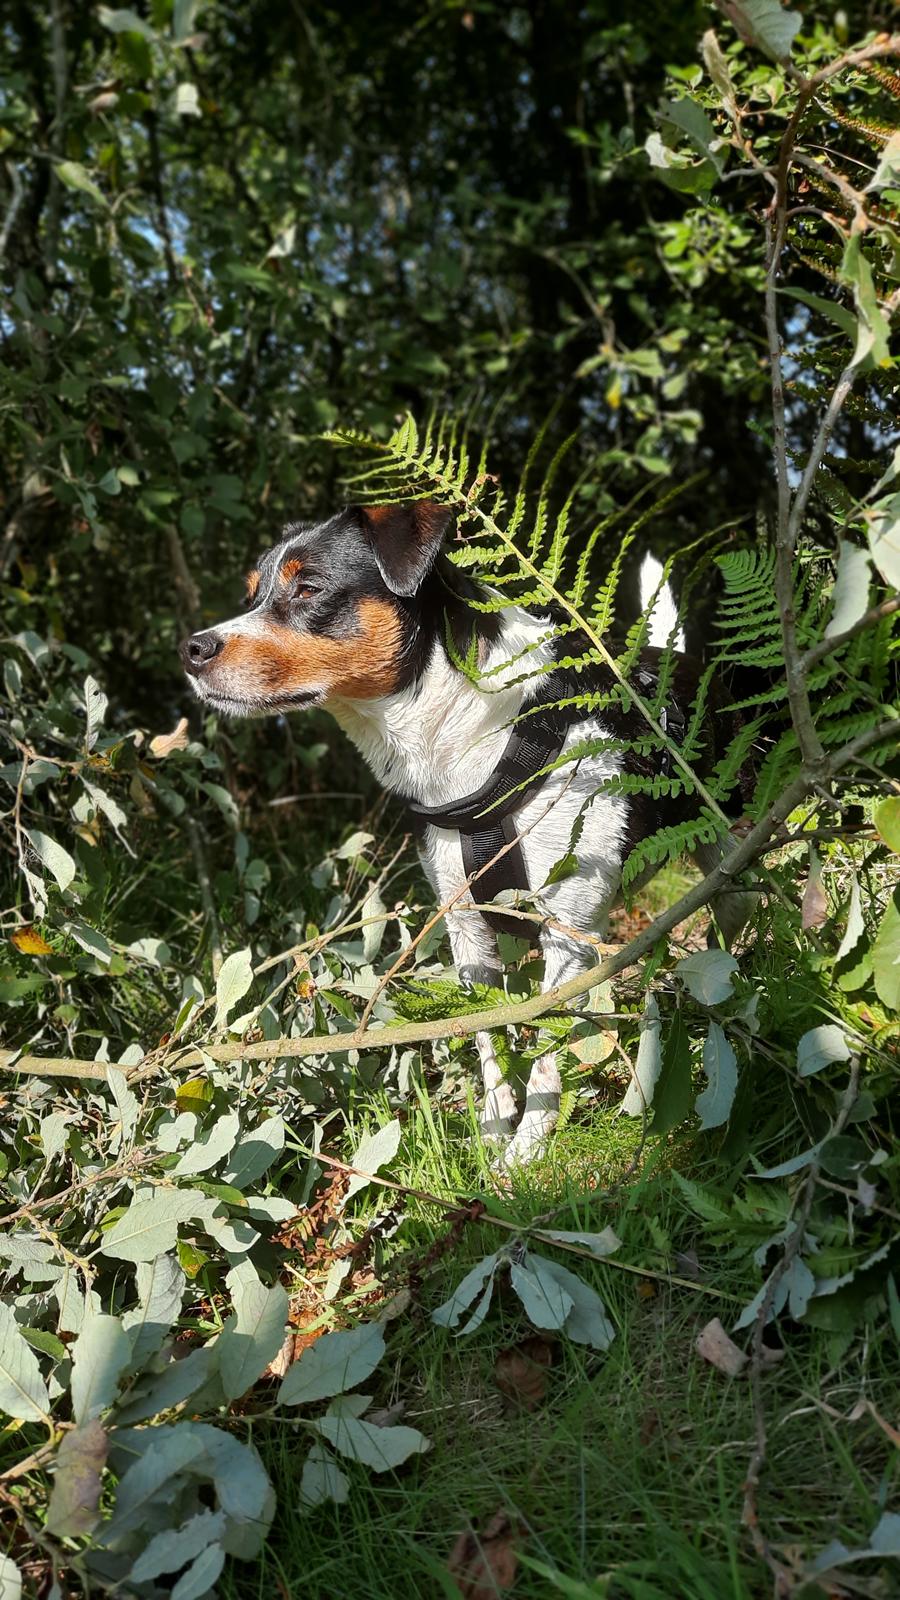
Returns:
point(333, 612)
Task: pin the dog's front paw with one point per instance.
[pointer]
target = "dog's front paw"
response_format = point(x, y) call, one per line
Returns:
point(531, 1139)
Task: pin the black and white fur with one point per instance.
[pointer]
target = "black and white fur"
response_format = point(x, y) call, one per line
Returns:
point(351, 614)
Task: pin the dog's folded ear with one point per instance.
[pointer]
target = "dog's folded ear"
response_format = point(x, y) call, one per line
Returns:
point(405, 540)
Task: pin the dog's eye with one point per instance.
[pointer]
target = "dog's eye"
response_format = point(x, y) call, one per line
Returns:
point(304, 591)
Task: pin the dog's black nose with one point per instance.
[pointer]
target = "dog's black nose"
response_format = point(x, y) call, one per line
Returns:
point(202, 648)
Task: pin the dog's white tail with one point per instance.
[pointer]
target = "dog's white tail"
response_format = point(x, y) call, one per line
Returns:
point(664, 617)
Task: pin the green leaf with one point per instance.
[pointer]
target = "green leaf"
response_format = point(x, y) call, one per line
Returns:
point(375, 1151)
point(160, 1286)
point(322, 1479)
point(717, 67)
point(708, 975)
point(838, 314)
point(674, 1093)
point(254, 1152)
point(639, 1094)
point(546, 1304)
point(100, 1355)
point(235, 978)
point(853, 963)
point(201, 1575)
point(23, 1393)
point(252, 1337)
point(175, 1384)
point(335, 1363)
point(886, 955)
point(713, 1106)
point(850, 598)
point(75, 176)
point(587, 1322)
point(883, 522)
point(481, 1275)
point(53, 857)
point(149, 1228)
point(887, 173)
point(212, 1148)
point(186, 102)
point(381, 1449)
point(75, 1496)
point(124, 21)
point(10, 1579)
point(767, 24)
point(173, 1548)
point(886, 818)
point(819, 1047)
point(873, 329)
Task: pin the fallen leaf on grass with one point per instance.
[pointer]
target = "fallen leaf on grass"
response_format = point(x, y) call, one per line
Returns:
point(279, 1363)
point(485, 1564)
point(714, 1345)
point(814, 905)
point(520, 1373)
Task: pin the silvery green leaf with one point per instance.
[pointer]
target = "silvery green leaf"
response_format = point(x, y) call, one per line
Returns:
point(54, 1131)
point(378, 1448)
point(751, 1311)
point(160, 1286)
point(150, 1227)
point(23, 1392)
point(800, 1285)
point(768, 25)
point(335, 1363)
point(153, 1476)
point(254, 1152)
point(75, 1496)
point(95, 704)
point(100, 1355)
point(73, 1307)
point(154, 951)
point(90, 940)
point(251, 1337)
point(587, 1322)
point(171, 1134)
point(639, 1094)
point(884, 1541)
point(202, 1573)
point(713, 1106)
point(175, 1384)
point(707, 975)
point(599, 1244)
point(887, 173)
point(211, 1148)
point(373, 908)
point(819, 1046)
point(127, 1103)
point(241, 1483)
point(546, 1303)
point(885, 1536)
point(10, 1580)
point(37, 649)
point(448, 1315)
point(322, 1479)
point(24, 1250)
point(101, 801)
point(354, 846)
point(270, 1208)
point(173, 1548)
point(851, 589)
point(235, 978)
point(53, 857)
point(375, 1151)
point(794, 1164)
point(233, 1235)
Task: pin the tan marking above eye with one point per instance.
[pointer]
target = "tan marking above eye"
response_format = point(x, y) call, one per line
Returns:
point(252, 583)
point(280, 661)
point(289, 571)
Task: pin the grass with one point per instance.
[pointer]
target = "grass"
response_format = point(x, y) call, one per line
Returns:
point(627, 1479)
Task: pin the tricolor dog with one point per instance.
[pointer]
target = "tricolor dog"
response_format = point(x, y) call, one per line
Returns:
point(354, 614)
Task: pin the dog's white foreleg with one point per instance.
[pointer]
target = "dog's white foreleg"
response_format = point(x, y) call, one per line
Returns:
point(476, 960)
point(564, 958)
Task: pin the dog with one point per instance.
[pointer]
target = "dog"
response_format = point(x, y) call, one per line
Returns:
point(364, 615)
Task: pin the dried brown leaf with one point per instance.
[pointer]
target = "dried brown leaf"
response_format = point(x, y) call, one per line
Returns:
point(714, 1345)
point(520, 1373)
point(485, 1564)
point(165, 743)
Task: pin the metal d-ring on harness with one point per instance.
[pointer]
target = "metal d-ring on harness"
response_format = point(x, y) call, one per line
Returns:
point(485, 819)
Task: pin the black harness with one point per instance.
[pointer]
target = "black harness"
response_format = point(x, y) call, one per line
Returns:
point(485, 819)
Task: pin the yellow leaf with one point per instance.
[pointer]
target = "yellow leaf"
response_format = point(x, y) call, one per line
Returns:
point(30, 943)
point(194, 1095)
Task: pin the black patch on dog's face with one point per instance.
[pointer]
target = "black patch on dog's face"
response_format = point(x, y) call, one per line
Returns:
point(326, 617)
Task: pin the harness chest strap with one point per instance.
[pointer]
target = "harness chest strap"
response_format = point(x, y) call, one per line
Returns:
point(485, 819)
